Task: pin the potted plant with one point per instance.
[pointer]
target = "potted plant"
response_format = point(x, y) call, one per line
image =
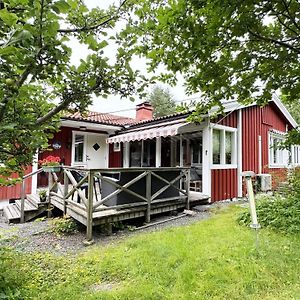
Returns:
point(43, 195)
point(50, 164)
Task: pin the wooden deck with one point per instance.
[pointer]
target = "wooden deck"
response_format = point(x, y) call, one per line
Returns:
point(101, 196)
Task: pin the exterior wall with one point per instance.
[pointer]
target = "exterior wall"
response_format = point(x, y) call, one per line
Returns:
point(224, 184)
point(64, 136)
point(224, 181)
point(115, 159)
point(14, 192)
point(257, 121)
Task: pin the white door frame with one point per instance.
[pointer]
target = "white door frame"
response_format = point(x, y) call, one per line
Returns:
point(85, 134)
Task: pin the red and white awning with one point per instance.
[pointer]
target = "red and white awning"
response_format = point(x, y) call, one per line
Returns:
point(150, 133)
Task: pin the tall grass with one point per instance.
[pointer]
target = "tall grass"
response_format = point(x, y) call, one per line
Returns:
point(213, 259)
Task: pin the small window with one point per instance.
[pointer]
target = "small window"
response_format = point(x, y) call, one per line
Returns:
point(79, 144)
point(223, 147)
point(228, 147)
point(117, 147)
point(216, 146)
point(277, 155)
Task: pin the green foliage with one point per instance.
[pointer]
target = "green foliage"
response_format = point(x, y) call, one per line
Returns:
point(281, 214)
point(226, 50)
point(181, 263)
point(38, 79)
point(64, 225)
point(162, 102)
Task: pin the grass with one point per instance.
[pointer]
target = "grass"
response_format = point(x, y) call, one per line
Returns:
point(213, 259)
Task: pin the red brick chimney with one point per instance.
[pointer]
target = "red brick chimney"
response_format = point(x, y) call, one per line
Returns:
point(144, 111)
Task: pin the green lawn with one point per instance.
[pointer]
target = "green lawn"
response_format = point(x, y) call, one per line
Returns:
point(213, 259)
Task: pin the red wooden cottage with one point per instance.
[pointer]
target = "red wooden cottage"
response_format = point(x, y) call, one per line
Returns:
point(217, 150)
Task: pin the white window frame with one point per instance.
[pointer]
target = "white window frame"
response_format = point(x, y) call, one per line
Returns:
point(73, 162)
point(282, 152)
point(117, 147)
point(295, 152)
point(223, 130)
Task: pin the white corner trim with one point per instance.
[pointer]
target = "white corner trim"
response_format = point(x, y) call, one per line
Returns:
point(285, 112)
point(240, 153)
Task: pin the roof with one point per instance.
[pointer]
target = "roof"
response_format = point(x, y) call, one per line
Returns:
point(100, 118)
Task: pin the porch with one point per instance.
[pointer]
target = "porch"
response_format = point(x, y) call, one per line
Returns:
point(103, 196)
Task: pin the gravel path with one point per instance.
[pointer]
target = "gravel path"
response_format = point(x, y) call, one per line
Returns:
point(36, 236)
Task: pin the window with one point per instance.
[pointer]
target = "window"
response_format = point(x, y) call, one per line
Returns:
point(277, 156)
point(223, 146)
point(142, 153)
point(117, 147)
point(296, 154)
point(197, 151)
point(216, 146)
point(79, 144)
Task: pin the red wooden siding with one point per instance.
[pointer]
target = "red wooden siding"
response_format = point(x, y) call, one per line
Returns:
point(224, 181)
point(258, 121)
point(224, 184)
point(14, 191)
point(115, 159)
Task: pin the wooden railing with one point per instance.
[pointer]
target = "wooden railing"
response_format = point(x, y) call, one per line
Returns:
point(137, 187)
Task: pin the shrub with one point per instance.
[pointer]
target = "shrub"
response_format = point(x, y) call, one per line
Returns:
point(64, 225)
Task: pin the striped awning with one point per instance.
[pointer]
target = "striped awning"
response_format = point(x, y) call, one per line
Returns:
point(150, 133)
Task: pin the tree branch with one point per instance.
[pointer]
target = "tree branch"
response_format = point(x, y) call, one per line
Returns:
point(88, 28)
point(274, 41)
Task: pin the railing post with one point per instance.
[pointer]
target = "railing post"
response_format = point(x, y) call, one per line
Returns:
point(148, 196)
point(188, 178)
point(23, 201)
point(66, 188)
point(50, 184)
point(89, 221)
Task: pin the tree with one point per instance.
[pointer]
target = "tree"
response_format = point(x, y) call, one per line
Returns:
point(232, 49)
point(37, 79)
point(162, 102)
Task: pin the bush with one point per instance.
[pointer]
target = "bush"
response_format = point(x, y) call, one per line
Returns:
point(64, 225)
point(281, 213)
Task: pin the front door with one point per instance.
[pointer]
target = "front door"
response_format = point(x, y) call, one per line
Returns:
point(89, 150)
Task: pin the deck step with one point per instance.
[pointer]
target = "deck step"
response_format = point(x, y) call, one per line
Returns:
point(12, 213)
point(28, 206)
point(34, 199)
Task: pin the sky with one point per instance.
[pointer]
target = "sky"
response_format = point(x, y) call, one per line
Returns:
point(113, 104)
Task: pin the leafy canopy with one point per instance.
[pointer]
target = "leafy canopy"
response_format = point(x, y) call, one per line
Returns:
point(37, 78)
point(162, 101)
point(240, 49)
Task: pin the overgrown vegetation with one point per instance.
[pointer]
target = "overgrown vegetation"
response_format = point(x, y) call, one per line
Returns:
point(279, 212)
point(63, 225)
point(213, 259)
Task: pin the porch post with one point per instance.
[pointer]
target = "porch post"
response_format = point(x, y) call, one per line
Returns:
point(158, 152)
point(181, 152)
point(239, 154)
point(89, 219)
point(34, 168)
point(206, 159)
point(126, 155)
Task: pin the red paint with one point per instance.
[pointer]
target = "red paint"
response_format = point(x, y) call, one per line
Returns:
point(144, 111)
point(224, 181)
point(14, 191)
point(115, 159)
point(224, 184)
point(258, 121)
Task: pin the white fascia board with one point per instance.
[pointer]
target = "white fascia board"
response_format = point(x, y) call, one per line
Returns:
point(90, 126)
point(285, 112)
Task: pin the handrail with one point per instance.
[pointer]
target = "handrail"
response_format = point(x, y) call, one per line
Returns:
point(32, 173)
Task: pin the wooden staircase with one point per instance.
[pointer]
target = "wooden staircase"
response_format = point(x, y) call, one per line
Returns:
point(33, 208)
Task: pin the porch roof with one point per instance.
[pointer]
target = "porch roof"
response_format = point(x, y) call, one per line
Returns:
point(148, 133)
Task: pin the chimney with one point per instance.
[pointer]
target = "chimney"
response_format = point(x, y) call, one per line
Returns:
point(144, 111)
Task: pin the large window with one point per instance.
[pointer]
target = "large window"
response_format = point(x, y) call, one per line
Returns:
point(223, 147)
point(142, 153)
point(278, 157)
